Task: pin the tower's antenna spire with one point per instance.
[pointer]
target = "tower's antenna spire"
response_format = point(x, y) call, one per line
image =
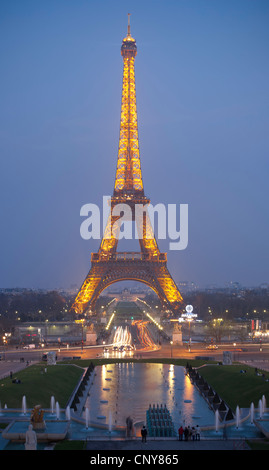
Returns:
point(129, 27)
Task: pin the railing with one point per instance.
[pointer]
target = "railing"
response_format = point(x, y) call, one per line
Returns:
point(129, 256)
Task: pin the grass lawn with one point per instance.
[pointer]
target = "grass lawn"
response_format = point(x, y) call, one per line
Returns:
point(234, 387)
point(38, 386)
point(258, 444)
point(69, 445)
point(60, 380)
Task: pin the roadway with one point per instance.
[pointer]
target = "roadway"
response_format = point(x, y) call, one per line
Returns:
point(242, 352)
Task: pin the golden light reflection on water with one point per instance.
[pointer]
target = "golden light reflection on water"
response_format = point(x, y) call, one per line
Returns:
point(188, 388)
point(170, 380)
point(125, 389)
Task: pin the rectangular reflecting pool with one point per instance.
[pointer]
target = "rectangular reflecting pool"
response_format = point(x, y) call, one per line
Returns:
point(128, 389)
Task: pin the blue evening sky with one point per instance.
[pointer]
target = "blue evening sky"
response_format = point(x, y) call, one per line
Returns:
point(202, 81)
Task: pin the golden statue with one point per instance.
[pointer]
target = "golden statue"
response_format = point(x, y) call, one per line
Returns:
point(37, 417)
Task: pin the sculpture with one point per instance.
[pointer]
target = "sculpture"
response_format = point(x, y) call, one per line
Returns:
point(177, 334)
point(177, 328)
point(30, 439)
point(37, 417)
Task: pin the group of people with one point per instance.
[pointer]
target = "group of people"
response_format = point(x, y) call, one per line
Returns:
point(189, 433)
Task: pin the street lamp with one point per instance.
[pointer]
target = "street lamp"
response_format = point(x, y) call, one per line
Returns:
point(171, 342)
point(189, 316)
point(81, 322)
point(82, 331)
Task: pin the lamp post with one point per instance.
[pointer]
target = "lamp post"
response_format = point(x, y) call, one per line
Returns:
point(190, 319)
point(189, 316)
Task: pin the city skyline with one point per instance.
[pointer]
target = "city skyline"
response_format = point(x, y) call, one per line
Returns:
point(202, 97)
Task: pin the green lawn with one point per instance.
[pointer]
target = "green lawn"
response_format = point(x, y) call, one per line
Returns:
point(69, 445)
point(60, 380)
point(234, 387)
point(258, 444)
point(38, 386)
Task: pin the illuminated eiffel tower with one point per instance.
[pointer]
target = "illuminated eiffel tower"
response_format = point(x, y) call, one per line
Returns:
point(148, 265)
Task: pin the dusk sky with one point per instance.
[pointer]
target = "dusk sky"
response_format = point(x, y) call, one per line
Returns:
point(202, 86)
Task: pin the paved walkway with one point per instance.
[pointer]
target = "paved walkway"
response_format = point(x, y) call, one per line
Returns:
point(262, 364)
point(174, 445)
point(14, 366)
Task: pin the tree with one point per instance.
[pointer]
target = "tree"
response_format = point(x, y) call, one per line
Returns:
point(218, 328)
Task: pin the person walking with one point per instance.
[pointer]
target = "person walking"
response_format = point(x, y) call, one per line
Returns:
point(180, 433)
point(189, 432)
point(186, 433)
point(144, 433)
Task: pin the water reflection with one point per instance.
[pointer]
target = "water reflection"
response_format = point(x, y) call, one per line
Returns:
point(127, 389)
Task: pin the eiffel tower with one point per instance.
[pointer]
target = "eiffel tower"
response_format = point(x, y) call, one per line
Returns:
point(148, 265)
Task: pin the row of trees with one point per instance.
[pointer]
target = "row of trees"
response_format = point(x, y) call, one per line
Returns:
point(247, 304)
point(53, 306)
point(33, 306)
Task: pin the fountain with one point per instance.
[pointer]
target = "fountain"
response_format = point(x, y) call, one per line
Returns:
point(237, 416)
point(260, 408)
point(57, 410)
point(110, 422)
point(263, 404)
point(87, 417)
point(52, 404)
point(22, 430)
point(67, 413)
point(115, 424)
point(23, 408)
point(216, 420)
point(252, 411)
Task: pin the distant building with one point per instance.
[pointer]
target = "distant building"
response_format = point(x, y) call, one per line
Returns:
point(187, 286)
point(127, 295)
point(259, 328)
point(56, 332)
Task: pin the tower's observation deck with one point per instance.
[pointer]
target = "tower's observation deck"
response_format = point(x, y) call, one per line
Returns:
point(128, 48)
